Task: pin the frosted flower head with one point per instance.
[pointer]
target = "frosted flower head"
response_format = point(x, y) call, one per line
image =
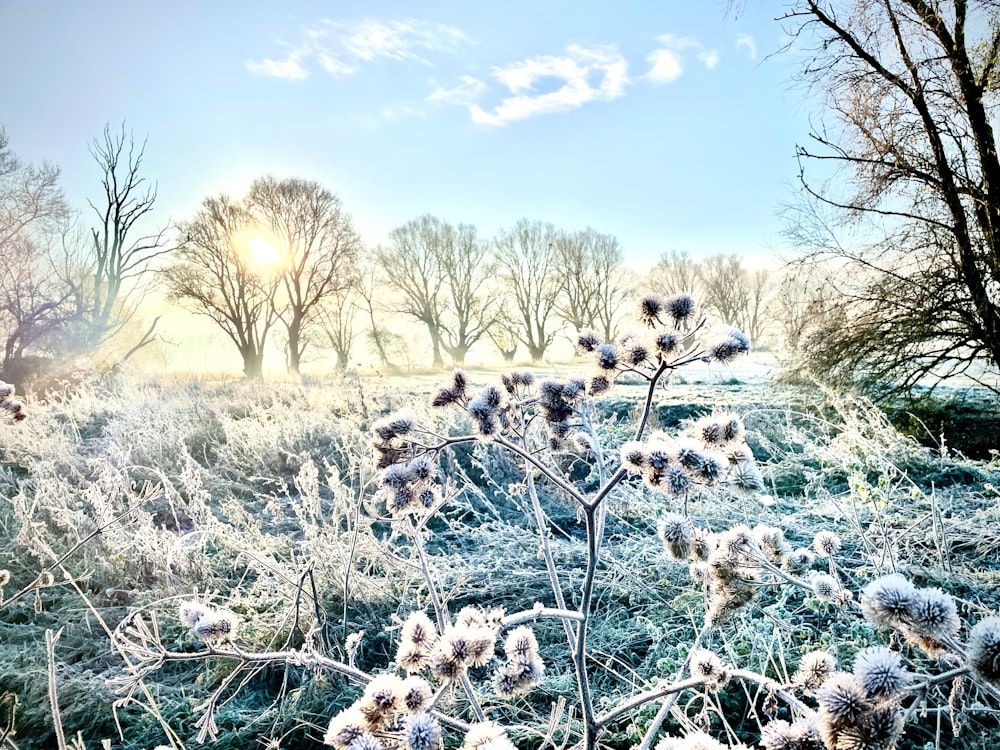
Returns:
point(345, 727)
point(217, 628)
point(680, 308)
point(729, 346)
point(843, 697)
point(933, 614)
point(651, 306)
point(366, 741)
point(487, 735)
point(676, 532)
point(880, 672)
point(189, 612)
point(708, 667)
point(383, 693)
point(780, 735)
point(418, 629)
point(826, 544)
point(587, 341)
point(421, 732)
point(415, 694)
point(396, 425)
point(599, 384)
point(633, 456)
point(825, 587)
point(5, 579)
point(520, 642)
point(800, 560)
point(608, 357)
point(813, 670)
point(984, 650)
point(886, 602)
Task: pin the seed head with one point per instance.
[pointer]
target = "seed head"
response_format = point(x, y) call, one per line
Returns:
point(189, 612)
point(384, 693)
point(826, 544)
point(608, 357)
point(887, 602)
point(487, 735)
point(780, 735)
point(880, 672)
point(825, 587)
point(421, 732)
point(650, 308)
point(984, 650)
point(676, 532)
point(708, 667)
point(933, 615)
point(680, 307)
point(843, 697)
point(418, 630)
point(345, 727)
point(814, 669)
point(416, 694)
point(5, 579)
point(217, 627)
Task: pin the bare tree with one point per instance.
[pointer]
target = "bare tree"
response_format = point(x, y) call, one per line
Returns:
point(439, 272)
point(336, 321)
point(734, 293)
point(212, 272)
point(37, 294)
point(675, 272)
point(593, 287)
point(122, 249)
point(529, 266)
point(910, 88)
point(316, 237)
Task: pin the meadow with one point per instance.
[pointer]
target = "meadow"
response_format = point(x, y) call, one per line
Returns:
point(135, 510)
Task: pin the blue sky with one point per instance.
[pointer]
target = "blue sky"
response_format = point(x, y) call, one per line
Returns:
point(668, 124)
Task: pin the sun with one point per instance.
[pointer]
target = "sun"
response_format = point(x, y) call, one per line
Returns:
point(263, 252)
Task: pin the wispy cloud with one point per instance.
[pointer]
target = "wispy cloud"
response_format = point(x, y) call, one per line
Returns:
point(342, 47)
point(667, 61)
point(747, 42)
point(468, 91)
point(587, 74)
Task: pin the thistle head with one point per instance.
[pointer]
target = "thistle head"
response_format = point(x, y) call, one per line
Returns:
point(984, 650)
point(880, 672)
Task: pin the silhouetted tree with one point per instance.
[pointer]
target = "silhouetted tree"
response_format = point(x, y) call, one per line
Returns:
point(213, 273)
point(316, 238)
point(529, 267)
point(911, 86)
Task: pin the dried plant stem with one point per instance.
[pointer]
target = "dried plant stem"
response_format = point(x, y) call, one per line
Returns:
point(50, 653)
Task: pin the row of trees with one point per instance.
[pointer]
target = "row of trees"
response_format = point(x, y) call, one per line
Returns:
point(522, 287)
point(69, 284)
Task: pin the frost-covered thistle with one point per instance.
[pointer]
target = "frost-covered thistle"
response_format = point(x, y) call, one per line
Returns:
point(680, 308)
point(729, 346)
point(651, 306)
point(709, 668)
point(345, 727)
point(825, 587)
point(880, 672)
point(692, 741)
point(843, 698)
point(780, 735)
point(189, 612)
point(10, 407)
point(608, 357)
point(676, 532)
point(366, 741)
point(932, 614)
point(415, 695)
point(487, 735)
point(217, 627)
point(984, 650)
point(421, 732)
point(587, 341)
point(886, 602)
point(524, 667)
point(382, 697)
point(813, 670)
point(826, 544)
point(666, 343)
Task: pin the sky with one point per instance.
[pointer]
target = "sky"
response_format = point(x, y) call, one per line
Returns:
point(669, 123)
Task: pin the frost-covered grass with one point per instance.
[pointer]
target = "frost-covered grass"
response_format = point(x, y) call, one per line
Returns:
point(122, 499)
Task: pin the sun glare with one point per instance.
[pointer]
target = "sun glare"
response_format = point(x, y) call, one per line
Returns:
point(263, 252)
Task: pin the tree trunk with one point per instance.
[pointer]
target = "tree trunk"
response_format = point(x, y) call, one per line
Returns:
point(341, 360)
point(294, 345)
point(253, 363)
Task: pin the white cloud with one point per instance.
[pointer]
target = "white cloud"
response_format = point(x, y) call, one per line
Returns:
point(465, 93)
point(667, 62)
point(666, 66)
point(597, 73)
point(745, 41)
point(289, 68)
point(342, 47)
